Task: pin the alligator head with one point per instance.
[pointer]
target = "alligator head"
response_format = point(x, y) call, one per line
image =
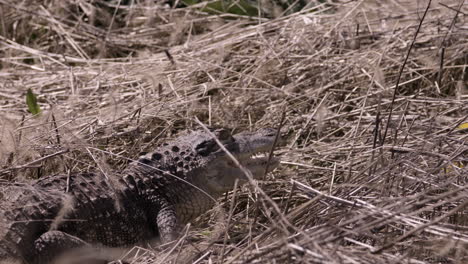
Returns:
point(250, 149)
point(198, 158)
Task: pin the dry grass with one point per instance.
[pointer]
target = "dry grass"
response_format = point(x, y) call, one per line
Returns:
point(371, 172)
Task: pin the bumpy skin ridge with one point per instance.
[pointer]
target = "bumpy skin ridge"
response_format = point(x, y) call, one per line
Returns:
point(151, 199)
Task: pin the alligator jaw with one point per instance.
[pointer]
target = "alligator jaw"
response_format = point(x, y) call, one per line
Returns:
point(257, 165)
point(253, 149)
point(250, 150)
point(252, 143)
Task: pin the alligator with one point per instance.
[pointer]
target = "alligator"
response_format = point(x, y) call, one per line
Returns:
point(152, 198)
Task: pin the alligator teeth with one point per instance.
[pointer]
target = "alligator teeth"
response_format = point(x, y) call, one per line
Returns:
point(259, 155)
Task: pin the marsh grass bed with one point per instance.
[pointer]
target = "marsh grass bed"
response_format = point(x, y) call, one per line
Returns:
point(370, 172)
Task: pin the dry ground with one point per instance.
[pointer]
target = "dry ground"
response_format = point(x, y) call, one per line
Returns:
point(373, 93)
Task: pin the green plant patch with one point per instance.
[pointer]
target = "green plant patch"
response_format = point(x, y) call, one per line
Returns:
point(31, 101)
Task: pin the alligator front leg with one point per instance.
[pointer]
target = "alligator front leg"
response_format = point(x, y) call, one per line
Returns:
point(167, 224)
point(59, 247)
point(164, 215)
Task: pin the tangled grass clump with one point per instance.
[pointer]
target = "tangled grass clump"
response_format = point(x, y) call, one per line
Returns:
point(373, 93)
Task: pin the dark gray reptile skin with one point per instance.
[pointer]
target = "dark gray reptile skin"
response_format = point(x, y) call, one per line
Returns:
point(150, 199)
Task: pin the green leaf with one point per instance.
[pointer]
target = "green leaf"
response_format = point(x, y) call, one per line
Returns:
point(31, 101)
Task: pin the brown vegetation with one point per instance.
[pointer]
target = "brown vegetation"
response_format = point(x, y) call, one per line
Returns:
point(373, 93)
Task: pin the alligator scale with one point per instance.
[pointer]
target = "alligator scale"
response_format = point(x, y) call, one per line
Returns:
point(152, 198)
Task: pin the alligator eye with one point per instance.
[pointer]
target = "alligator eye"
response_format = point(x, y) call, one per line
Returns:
point(206, 147)
point(144, 161)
